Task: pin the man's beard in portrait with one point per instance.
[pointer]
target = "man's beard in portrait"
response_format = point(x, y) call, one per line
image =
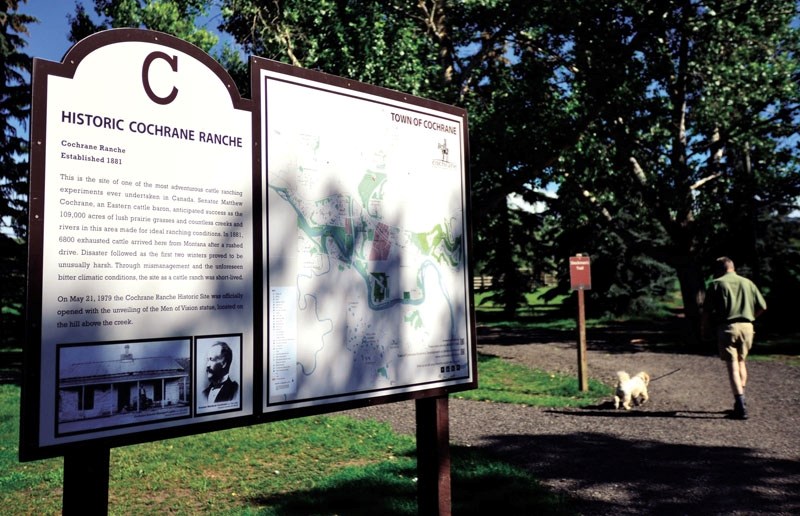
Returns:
point(215, 375)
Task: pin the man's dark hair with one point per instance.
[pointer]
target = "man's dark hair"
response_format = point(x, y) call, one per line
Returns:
point(722, 265)
point(226, 352)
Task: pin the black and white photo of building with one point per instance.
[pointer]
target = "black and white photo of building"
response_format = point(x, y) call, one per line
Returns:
point(108, 385)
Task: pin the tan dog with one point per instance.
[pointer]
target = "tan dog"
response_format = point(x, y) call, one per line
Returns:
point(631, 389)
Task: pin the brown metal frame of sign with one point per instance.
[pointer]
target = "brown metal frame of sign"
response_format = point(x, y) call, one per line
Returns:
point(30, 445)
point(350, 88)
point(432, 413)
point(30, 448)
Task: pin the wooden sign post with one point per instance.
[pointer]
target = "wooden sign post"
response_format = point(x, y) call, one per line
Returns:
point(581, 279)
point(86, 476)
point(433, 456)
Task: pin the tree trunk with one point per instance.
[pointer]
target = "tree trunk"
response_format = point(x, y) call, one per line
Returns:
point(693, 291)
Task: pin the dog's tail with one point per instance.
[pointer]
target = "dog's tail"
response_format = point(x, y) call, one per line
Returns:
point(622, 376)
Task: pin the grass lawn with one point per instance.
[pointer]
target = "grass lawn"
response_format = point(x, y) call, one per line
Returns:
point(314, 465)
point(505, 382)
point(321, 464)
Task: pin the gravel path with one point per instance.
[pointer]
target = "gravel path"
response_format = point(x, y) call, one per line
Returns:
point(677, 454)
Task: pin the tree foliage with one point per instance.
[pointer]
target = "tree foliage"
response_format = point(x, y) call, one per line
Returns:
point(665, 128)
point(185, 19)
point(379, 42)
point(14, 111)
point(176, 17)
point(689, 154)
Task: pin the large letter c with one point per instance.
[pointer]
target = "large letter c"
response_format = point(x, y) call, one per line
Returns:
point(173, 63)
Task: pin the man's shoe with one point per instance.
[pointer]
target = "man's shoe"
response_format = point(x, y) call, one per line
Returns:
point(739, 411)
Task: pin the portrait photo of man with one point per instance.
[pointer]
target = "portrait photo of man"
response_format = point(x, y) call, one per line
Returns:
point(215, 360)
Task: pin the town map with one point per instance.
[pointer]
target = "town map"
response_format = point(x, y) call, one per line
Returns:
point(366, 247)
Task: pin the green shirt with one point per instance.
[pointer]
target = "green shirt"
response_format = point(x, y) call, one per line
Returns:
point(734, 298)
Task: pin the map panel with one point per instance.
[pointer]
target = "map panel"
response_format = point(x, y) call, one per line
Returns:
point(365, 236)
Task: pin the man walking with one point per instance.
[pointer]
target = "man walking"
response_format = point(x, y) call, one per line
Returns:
point(732, 303)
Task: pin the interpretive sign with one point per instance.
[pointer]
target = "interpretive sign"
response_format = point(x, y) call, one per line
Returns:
point(580, 275)
point(365, 234)
point(141, 239)
point(199, 261)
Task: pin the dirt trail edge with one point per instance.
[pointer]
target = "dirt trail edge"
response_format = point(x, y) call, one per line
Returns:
point(677, 454)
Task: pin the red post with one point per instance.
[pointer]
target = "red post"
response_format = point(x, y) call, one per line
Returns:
point(583, 380)
point(580, 277)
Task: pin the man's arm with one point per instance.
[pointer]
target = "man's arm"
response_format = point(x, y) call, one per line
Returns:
point(760, 303)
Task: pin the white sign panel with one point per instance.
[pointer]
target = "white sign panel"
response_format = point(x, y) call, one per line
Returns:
point(145, 227)
point(365, 241)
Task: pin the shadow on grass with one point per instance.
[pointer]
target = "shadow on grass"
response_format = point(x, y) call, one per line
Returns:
point(478, 484)
point(607, 410)
point(668, 335)
point(10, 367)
point(611, 338)
point(785, 347)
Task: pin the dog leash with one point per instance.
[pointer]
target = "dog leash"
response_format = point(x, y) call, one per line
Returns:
point(663, 375)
